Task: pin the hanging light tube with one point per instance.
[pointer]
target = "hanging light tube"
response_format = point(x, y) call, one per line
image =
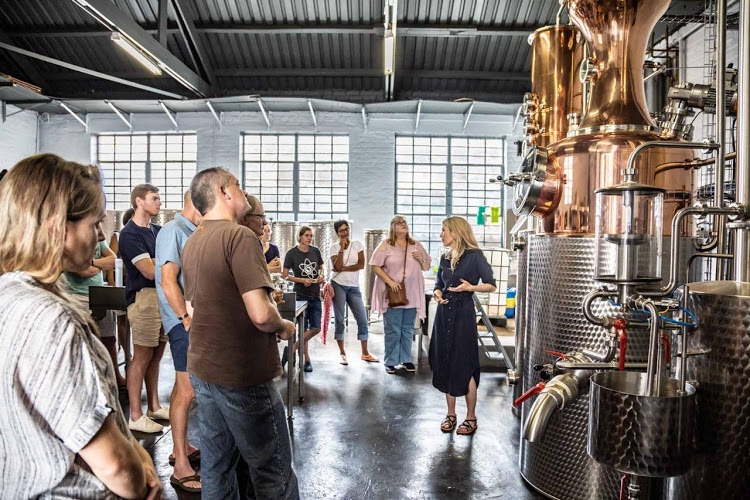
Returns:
point(131, 49)
point(389, 36)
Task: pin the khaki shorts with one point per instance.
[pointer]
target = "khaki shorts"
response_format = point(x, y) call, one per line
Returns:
point(145, 320)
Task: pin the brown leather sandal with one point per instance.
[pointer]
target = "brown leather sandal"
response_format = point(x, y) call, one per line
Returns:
point(180, 483)
point(448, 423)
point(194, 458)
point(467, 428)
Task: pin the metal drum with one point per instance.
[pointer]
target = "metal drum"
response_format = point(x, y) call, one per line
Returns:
point(323, 237)
point(284, 235)
point(373, 238)
point(164, 216)
point(722, 375)
point(638, 434)
point(112, 222)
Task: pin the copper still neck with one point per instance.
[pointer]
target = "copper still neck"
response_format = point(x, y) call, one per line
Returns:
point(616, 33)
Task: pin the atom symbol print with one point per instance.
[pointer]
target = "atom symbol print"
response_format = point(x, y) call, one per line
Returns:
point(309, 269)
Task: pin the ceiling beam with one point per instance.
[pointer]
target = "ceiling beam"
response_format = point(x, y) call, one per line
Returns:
point(192, 39)
point(409, 30)
point(323, 72)
point(30, 71)
point(108, 13)
point(162, 22)
point(87, 71)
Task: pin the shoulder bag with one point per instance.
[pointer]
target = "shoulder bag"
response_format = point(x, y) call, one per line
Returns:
point(398, 298)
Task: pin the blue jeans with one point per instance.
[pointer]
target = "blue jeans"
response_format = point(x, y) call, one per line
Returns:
point(313, 312)
point(398, 326)
point(247, 422)
point(349, 295)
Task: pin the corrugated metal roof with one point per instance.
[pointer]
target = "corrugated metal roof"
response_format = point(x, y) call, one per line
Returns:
point(312, 48)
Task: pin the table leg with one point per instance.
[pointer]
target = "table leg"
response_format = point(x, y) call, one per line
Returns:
point(290, 382)
point(301, 354)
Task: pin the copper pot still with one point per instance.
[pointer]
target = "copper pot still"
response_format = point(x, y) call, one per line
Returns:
point(561, 178)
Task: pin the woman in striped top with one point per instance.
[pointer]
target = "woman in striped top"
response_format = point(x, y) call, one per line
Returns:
point(62, 431)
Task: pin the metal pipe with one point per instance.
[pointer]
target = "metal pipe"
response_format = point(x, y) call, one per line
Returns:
point(589, 300)
point(666, 145)
point(541, 411)
point(727, 256)
point(684, 342)
point(674, 248)
point(721, 132)
point(614, 365)
point(689, 164)
point(609, 355)
point(741, 240)
point(653, 348)
point(558, 393)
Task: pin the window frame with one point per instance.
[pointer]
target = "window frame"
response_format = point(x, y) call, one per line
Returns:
point(296, 213)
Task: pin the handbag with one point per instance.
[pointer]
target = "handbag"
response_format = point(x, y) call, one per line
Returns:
point(398, 298)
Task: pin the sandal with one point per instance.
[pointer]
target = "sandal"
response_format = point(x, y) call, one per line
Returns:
point(180, 483)
point(467, 428)
point(193, 457)
point(448, 423)
point(370, 358)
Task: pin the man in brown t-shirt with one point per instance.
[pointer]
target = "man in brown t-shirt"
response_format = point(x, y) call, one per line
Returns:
point(233, 356)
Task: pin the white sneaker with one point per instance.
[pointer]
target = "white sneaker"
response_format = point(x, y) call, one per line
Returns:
point(160, 414)
point(343, 360)
point(145, 424)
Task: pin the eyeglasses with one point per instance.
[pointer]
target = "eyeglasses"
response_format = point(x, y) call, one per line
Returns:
point(400, 223)
point(343, 230)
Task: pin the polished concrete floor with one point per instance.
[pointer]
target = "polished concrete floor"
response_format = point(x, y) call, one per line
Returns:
point(364, 434)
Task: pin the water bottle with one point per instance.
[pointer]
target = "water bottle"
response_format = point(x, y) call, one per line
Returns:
point(510, 303)
point(118, 272)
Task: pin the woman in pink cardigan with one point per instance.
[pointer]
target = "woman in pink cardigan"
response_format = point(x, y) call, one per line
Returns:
point(388, 265)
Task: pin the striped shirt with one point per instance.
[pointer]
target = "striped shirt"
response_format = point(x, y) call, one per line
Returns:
point(57, 386)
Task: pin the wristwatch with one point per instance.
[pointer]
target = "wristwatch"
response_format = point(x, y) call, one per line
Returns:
point(183, 316)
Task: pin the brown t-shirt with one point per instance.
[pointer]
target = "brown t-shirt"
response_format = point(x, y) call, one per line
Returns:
point(220, 262)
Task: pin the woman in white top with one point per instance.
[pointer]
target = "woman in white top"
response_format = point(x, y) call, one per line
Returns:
point(347, 259)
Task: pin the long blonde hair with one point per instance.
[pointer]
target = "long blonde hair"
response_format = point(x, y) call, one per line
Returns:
point(392, 232)
point(37, 197)
point(463, 238)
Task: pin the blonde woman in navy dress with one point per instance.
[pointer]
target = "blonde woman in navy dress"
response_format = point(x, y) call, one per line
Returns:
point(454, 353)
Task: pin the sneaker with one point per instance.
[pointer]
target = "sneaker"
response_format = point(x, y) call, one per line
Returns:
point(308, 367)
point(410, 367)
point(285, 356)
point(370, 358)
point(160, 414)
point(145, 424)
point(390, 369)
point(343, 360)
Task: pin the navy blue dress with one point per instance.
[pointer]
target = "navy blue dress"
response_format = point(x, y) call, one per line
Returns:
point(454, 348)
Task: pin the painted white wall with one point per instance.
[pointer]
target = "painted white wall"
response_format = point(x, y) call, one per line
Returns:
point(18, 136)
point(371, 150)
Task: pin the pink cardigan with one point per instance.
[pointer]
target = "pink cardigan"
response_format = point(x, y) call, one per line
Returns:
point(391, 259)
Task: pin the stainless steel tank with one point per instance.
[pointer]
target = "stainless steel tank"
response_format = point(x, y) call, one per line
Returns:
point(323, 237)
point(284, 235)
point(520, 330)
point(112, 222)
point(164, 216)
point(722, 375)
point(560, 274)
point(373, 237)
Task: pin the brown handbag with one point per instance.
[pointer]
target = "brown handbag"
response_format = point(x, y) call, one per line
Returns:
point(398, 298)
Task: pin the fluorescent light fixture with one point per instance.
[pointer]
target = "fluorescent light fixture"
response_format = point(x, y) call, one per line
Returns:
point(312, 112)
point(213, 112)
point(66, 108)
point(131, 49)
point(169, 113)
point(263, 111)
point(389, 36)
point(119, 113)
point(389, 43)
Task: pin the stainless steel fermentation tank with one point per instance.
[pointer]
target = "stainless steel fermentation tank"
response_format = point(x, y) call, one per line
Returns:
point(557, 185)
point(284, 235)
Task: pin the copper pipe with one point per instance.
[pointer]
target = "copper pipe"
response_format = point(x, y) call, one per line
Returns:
point(689, 164)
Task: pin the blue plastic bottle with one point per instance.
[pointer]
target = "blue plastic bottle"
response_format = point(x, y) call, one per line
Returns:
point(510, 303)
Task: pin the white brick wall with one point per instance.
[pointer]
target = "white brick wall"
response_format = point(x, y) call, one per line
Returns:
point(371, 156)
point(17, 137)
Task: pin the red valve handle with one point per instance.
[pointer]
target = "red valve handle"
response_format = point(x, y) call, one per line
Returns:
point(555, 353)
point(526, 395)
point(620, 325)
point(667, 348)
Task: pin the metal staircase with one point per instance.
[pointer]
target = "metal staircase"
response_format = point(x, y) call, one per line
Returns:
point(489, 341)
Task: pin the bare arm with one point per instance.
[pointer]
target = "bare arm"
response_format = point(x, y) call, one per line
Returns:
point(383, 275)
point(294, 279)
point(263, 311)
point(115, 461)
point(275, 265)
point(91, 271)
point(169, 273)
point(348, 269)
point(147, 267)
point(106, 261)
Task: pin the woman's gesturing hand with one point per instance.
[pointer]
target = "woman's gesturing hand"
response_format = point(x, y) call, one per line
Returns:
point(465, 286)
point(437, 296)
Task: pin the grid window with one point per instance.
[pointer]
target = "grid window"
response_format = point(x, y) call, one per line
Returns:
point(437, 177)
point(166, 160)
point(298, 177)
